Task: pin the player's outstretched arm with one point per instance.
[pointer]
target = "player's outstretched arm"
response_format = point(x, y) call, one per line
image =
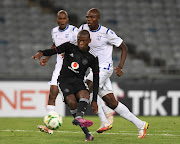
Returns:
point(43, 62)
point(37, 55)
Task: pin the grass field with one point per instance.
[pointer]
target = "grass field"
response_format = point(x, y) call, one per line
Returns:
point(162, 130)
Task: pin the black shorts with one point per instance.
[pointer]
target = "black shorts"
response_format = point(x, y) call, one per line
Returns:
point(71, 86)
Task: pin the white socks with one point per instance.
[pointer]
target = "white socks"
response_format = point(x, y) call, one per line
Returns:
point(102, 115)
point(123, 111)
point(50, 108)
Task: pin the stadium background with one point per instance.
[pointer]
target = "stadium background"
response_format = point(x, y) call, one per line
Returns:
point(151, 29)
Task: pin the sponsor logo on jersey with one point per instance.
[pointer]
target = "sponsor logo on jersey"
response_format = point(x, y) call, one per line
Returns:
point(99, 38)
point(67, 35)
point(84, 61)
point(74, 65)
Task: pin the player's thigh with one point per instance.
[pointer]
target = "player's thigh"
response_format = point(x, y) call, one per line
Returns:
point(104, 75)
point(106, 88)
point(81, 90)
point(66, 87)
point(83, 94)
point(71, 101)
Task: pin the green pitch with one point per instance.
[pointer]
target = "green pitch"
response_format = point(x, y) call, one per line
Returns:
point(162, 130)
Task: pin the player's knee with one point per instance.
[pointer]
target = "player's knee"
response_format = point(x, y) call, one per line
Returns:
point(71, 103)
point(111, 105)
point(110, 101)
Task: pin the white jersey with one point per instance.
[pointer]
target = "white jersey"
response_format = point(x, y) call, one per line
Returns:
point(102, 41)
point(69, 34)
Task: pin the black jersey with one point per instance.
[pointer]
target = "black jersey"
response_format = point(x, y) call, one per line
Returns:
point(76, 63)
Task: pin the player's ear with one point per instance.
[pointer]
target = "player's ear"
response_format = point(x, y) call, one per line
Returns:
point(89, 40)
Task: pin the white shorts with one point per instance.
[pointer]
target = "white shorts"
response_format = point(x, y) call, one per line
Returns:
point(55, 75)
point(105, 86)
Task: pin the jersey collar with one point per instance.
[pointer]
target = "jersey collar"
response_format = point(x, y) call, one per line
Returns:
point(64, 29)
point(97, 29)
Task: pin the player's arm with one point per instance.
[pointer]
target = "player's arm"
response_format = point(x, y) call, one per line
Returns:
point(43, 62)
point(118, 42)
point(124, 51)
point(95, 69)
point(49, 52)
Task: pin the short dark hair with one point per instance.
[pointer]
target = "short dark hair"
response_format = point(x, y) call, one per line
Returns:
point(84, 32)
point(95, 10)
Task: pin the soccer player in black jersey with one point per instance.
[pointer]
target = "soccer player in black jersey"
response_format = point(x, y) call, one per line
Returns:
point(76, 61)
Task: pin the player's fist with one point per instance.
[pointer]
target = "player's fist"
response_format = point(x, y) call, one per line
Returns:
point(118, 71)
point(43, 62)
point(94, 107)
point(37, 56)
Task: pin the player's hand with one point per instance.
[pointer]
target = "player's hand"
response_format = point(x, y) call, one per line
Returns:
point(62, 55)
point(118, 71)
point(43, 62)
point(94, 107)
point(37, 56)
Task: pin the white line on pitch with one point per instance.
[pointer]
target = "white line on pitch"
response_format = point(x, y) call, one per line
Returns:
point(119, 133)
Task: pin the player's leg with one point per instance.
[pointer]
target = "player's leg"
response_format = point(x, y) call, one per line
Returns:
point(51, 102)
point(78, 114)
point(107, 111)
point(123, 111)
point(52, 98)
point(83, 96)
point(72, 102)
point(105, 124)
point(54, 90)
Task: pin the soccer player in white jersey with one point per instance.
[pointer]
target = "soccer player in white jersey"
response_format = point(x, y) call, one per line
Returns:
point(102, 41)
point(61, 34)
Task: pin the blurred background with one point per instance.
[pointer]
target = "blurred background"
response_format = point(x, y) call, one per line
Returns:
point(150, 29)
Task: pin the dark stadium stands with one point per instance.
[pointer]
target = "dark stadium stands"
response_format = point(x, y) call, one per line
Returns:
point(150, 28)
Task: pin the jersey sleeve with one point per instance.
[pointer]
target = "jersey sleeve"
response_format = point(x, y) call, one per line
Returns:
point(52, 36)
point(60, 49)
point(95, 69)
point(113, 38)
point(81, 27)
point(74, 37)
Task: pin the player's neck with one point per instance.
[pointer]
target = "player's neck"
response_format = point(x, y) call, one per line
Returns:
point(96, 27)
point(62, 29)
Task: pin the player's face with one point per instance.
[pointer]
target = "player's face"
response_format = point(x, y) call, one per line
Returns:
point(92, 20)
point(83, 41)
point(62, 20)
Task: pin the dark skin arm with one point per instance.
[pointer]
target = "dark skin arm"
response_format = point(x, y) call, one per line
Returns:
point(118, 69)
point(43, 62)
point(94, 107)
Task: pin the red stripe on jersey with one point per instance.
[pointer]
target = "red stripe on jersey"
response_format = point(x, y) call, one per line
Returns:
point(96, 73)
point(56, 50)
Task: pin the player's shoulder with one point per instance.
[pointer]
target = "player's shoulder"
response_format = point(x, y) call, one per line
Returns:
point(54, 30)
point(106, 30)
point(91, 51)
point(84, 27)
point(73, 28)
